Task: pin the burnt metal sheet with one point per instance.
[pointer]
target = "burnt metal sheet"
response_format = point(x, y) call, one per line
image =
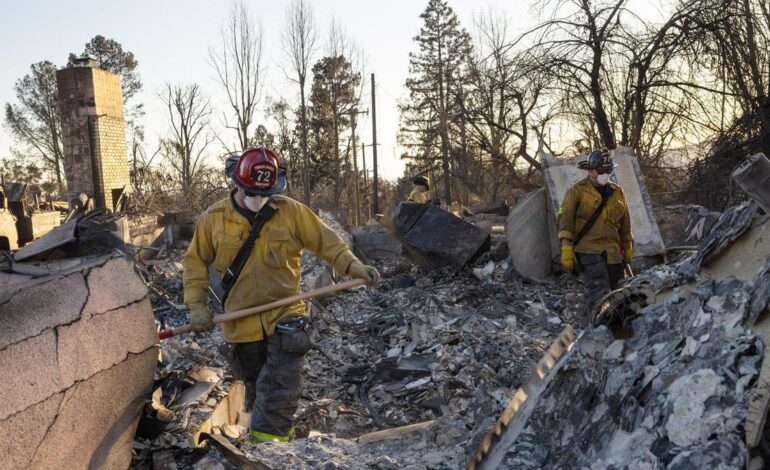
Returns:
point(58, 237)
point(442, 238)
point(15, 191)
point(753, 176)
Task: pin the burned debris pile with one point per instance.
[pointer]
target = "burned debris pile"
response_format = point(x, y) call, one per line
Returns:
point(461, 351)
point(670, 375)
point(415, 373)
point(444, 348)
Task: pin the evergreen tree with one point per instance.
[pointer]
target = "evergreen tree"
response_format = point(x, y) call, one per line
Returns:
point(429, 120)
point(34, 121)
point(333, 95)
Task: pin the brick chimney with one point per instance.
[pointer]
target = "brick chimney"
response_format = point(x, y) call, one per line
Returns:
point(93, 132)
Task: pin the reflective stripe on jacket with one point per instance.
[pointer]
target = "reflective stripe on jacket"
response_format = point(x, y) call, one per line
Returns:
point(612, 227)
point(272, 271)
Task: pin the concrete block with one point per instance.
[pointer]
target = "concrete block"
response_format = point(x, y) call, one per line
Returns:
point(97, 419)
point(113, 285)
point(647, 238)
point(527, 233)
point(30, 311)
point(30, 373)
point(23, 432)
point(559, 175)
point(98, 342)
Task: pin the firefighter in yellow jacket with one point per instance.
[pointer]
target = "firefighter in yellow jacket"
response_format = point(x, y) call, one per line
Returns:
point(269, 347)
point(420, 193)
point(603, 246)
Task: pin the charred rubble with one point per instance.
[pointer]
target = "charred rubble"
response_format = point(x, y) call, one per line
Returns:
point(448, 362)
point(414, 374)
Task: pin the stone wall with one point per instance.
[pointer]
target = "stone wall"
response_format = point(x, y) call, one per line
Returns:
point(93, 133)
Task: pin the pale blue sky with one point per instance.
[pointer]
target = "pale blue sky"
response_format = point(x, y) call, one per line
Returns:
point(170, 39)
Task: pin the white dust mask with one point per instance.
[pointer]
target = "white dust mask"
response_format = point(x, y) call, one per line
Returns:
point(603, 179)
point(254, 203)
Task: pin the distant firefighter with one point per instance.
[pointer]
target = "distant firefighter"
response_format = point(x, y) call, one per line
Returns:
point(595, 229)
point(421, 191)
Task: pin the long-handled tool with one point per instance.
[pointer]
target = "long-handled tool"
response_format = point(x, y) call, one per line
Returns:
point(627, 269)
point(165, 334)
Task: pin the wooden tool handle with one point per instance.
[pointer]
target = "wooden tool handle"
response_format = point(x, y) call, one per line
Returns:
point(236, 314)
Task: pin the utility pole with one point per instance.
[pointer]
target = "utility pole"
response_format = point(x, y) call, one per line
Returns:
point(366, 175)
point(356, 196)
point(366, 182)
point(356, 203)
point(375, 181)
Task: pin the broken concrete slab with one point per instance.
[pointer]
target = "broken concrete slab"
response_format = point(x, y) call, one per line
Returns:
point(27, 429)
point(24, 315)
point(753, 176)
point(374, 242)
point(559, 175)
point(99, 342)
point(684, 225)
point(104, 411)
point(438, 237)
point(10, 279)
point(647, 239)
point(527, 231)
point(72, 370)
point(32, 373)
point(113, 285)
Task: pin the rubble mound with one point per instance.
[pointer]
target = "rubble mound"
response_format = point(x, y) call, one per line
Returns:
point(673, 381)
point(674, 394)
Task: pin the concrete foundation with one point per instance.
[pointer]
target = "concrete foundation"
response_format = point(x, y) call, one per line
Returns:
point(527, 232)
point(78, 354)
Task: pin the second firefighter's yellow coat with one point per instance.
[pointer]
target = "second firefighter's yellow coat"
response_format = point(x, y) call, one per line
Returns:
point(612, 227)
point(272, 271)
point(418, 196)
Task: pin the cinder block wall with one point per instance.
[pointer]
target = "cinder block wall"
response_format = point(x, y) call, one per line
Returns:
point(93, 133)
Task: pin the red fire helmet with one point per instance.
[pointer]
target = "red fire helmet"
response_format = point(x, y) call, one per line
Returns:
point(258, 172)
